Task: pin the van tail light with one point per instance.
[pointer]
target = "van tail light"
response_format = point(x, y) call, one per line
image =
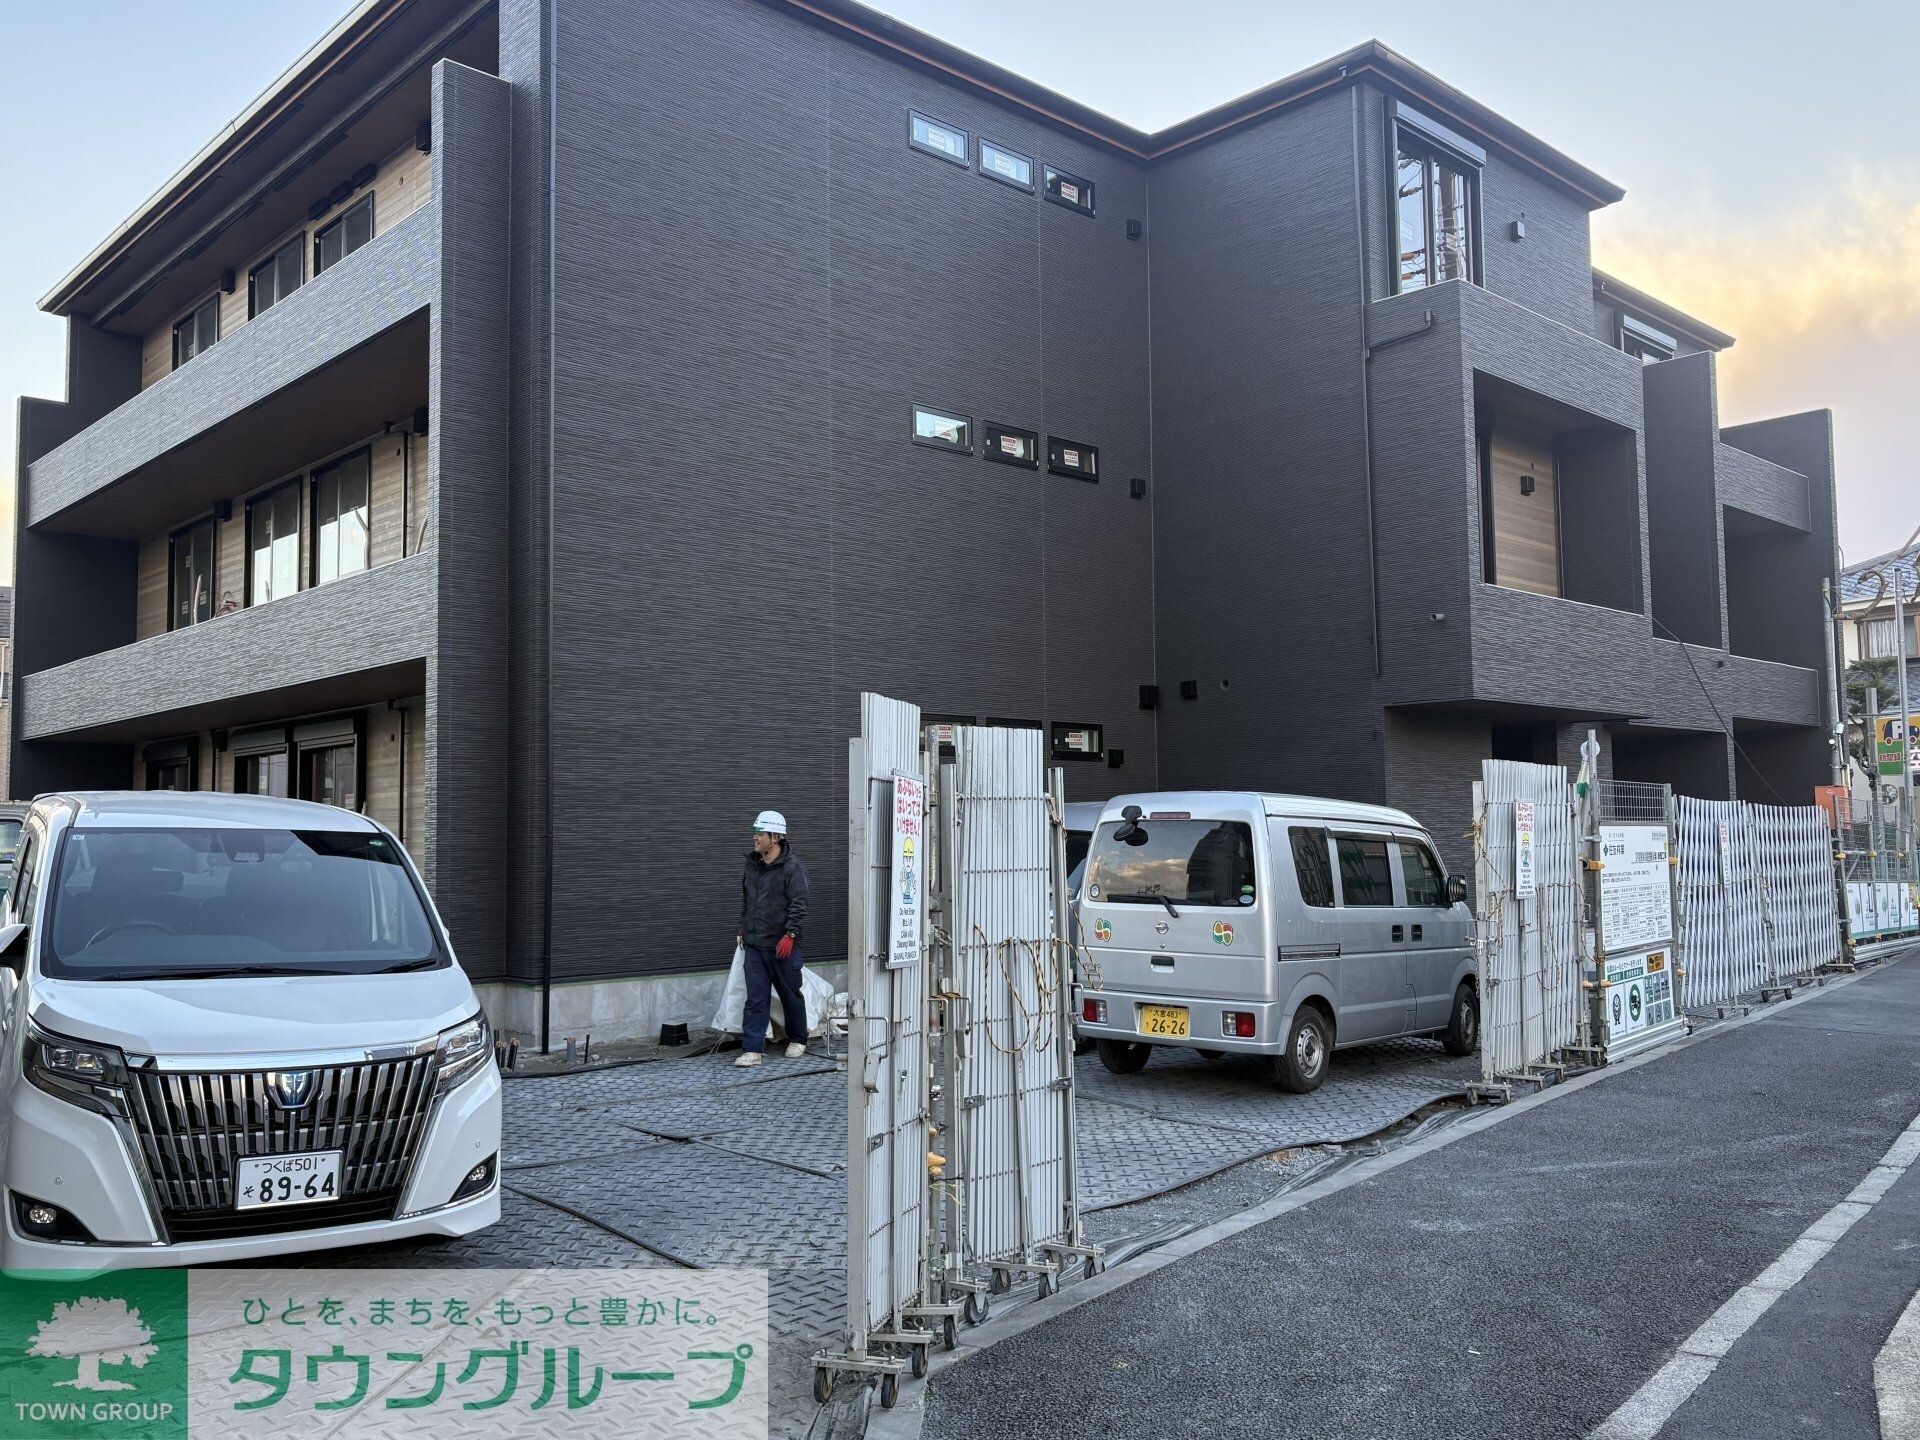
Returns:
point(1094, 1012)
point(1237, 1024)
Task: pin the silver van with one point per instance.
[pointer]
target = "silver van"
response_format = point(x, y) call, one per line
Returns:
point(1280, 926)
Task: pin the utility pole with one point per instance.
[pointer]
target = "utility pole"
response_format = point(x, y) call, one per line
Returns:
point(1906, 713)
point(1836, 703)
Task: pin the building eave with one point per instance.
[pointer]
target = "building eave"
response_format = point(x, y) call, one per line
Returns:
point(1658, 312)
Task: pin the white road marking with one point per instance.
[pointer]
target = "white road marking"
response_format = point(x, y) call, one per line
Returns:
point(1649, 1408)
point(1896, 1377)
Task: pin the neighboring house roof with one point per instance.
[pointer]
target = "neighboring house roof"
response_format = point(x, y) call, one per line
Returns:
point(1861, 584)
point(1657, 312)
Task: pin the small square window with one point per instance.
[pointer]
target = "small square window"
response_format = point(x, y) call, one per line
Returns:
point(1009, 167)
point(1069, 190)
point(949, 142)
point(1070, 457)
point(1008, 446)
point(1078, 742)
point(941, 430)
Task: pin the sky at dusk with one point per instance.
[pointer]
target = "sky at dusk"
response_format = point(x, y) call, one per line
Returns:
point(1772, 189)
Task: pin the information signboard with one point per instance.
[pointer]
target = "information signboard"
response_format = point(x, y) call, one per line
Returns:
point(909, 845)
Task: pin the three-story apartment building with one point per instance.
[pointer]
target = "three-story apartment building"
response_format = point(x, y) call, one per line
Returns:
point(535, 422)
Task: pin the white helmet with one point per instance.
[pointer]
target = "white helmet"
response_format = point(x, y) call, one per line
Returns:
point(771, 821)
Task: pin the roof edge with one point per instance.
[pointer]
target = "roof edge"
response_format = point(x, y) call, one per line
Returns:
point(1659, 311)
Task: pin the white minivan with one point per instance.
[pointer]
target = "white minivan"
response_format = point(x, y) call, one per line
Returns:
point(231, 1027)
point(1279, 926)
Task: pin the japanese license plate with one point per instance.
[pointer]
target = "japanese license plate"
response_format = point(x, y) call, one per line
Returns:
point(308, 1179)
point(1168, 1020)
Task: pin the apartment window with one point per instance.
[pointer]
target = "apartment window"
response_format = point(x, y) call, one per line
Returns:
point(197, 331)
point(1009, 167)
point(170, 765)
point(340, 531)
point(276, 277)
point(1365, 876)
point(942, 430)
point(345, 235)
point(949, 142)
point(1070, 457)
point(273, 544)
point(1008, 446)
point(1069, 190)
point(1435, 197)
point(264, 773)
point(190, 575)
point(327, 761)
point(1646, 344)
point(1078, 742)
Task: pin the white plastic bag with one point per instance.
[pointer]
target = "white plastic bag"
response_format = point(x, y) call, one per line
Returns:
point(730, 1018)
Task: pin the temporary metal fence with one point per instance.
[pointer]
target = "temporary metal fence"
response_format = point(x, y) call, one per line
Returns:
point(989, 1016)
point(887, 1069)
point(1757, 897)
point(1527, 912)
point(1878, 859)
point(1006, 1041)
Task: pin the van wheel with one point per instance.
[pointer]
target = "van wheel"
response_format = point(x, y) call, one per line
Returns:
point(1303, 1065)
point(1462, 1035)
point(1124, 1057)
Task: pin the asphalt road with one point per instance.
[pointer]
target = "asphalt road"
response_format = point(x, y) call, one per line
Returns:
point(1526, 1280)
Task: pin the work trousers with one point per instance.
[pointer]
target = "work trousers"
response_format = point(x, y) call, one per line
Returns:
point(767, 974)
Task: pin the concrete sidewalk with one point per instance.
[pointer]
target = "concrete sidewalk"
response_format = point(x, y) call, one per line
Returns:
point(1525, 1279)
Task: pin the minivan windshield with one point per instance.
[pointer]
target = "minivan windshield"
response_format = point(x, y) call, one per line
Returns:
point(1191, 862)
point(157, 904)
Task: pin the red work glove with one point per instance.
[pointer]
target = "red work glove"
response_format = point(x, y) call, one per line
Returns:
point(785, 948)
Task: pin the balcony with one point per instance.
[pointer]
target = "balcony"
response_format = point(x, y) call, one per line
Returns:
point(288, 384)
point(1707, 689)
point(1762, 488)
point(355, 641)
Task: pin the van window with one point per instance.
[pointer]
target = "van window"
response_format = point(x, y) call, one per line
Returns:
point(1365, 877)
point(1311, 865)
point(1425, 884)
point(1192, 862)
point(1078, 843)
point(23, 881)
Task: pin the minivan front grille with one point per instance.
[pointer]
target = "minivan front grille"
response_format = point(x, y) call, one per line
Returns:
point(193, 1126)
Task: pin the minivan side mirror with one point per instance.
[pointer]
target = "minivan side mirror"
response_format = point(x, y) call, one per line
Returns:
point(1456, 889)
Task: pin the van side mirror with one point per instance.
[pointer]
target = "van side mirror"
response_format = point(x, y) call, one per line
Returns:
point(1456, 889)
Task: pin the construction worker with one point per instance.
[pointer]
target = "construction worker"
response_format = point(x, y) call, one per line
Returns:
point(773, 904)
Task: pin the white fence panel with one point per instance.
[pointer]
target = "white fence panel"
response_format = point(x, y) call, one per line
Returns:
point(1014, 1070)
point(1796, 862)
point(886, 1044)
point(1531, 1002)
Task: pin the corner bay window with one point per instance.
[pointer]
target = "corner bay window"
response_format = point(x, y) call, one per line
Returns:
point(273, 544)
point(1435, 195)
point(345, 235)
point(340, 533)
point(1182, 861)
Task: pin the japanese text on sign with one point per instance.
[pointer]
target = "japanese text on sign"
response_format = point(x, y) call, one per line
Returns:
point(909, 845)
point(1636, 894)
point(1524, 883)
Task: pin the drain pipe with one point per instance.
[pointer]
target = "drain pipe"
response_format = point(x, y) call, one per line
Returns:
point(1366, 413)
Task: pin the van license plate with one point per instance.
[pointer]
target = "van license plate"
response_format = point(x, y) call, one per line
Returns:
point(1170, 1020)
point(309, 1179)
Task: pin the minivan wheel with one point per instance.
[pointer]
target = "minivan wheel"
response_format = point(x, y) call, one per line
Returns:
point(1124, 1057)
point(1303, 1065)
point(1462, 1035)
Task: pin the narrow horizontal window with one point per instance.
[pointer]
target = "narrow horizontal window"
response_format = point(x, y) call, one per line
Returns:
point(1646, 344)
point(1069, 190)
point(941, 430)
point(1070, 457)
point(949, 142)
point(276, 277)
point(1077, 742)
point(353, 229)
point(1007, 166)
point(1012, 447)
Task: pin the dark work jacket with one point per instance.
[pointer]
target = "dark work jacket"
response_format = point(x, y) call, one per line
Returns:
point(773, 898)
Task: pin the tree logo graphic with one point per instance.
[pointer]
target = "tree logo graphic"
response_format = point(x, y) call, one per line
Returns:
point(94, 1332)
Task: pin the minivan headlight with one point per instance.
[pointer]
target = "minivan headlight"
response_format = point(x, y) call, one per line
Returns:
point(83, 1072)
point(464, 1049)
